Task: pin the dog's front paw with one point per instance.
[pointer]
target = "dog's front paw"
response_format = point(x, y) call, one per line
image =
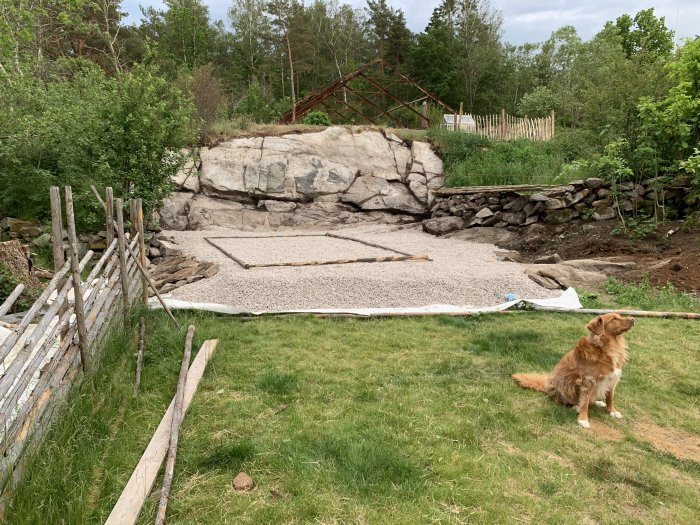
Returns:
point(615, 414)
point(600, 404)
point(584, 423)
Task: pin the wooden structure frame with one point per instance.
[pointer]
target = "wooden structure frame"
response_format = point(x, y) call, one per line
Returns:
point(373, 90)
point(401, 256)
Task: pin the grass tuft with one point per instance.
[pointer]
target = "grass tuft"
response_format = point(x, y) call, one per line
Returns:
point(278, 383)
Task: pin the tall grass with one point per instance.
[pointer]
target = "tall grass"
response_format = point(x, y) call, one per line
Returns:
point(472, 160)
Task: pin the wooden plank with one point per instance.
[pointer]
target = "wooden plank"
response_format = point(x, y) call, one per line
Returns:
point(346, 261)
point(122, 259)
point(77, 284)
point(374, 245)
point(7, 303)
point(128, 507)
point(470, 190)
point(56, 229)
point(175, 429)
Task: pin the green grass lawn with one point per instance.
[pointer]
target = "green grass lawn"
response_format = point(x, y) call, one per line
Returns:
point(402, 420)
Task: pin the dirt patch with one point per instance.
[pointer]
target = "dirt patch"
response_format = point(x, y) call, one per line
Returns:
point(603, 431)
point(668, 255)
point(681, 444)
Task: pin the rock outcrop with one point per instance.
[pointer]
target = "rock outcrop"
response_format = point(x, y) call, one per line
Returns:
point(337, 176)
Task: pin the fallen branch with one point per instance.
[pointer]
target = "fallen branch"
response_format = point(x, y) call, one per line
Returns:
point(175, 429)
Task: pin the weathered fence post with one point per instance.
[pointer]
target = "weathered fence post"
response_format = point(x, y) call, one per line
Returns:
point(461, 111)
point(454, 121)
point(77, 283)
point(551, 123)
point(502, 132)
point(425, 122)
point(59, 256)
point(142, 248)
point(109, 214)
point(122, 257)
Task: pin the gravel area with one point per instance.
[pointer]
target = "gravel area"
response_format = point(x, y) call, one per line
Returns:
point(461, 273)
point(279, 250)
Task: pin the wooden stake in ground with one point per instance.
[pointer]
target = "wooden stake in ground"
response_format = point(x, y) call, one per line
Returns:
point(175, 428)
point(126, 510)
point(142, 248)
point(77, 284)
point(144, 273)
point(139, 357)
point(122, 258)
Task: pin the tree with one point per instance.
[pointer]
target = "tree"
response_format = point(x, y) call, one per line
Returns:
point(182, 33)
point(672, 123)
point(391, 36)
point(252, 34)
point(644, 35)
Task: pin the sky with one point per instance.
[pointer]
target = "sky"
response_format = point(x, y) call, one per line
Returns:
point(523, 20)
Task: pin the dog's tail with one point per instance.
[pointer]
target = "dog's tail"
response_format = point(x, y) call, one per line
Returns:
point(533, 381)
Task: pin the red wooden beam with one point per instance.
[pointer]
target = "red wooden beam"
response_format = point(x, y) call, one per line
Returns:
point(398, 100)
point(375, 106)
point(354, 109)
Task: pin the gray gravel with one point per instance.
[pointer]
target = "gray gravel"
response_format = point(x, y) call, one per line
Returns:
point(461, 273)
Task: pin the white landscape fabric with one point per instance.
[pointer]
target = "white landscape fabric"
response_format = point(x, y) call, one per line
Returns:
point(568, 300)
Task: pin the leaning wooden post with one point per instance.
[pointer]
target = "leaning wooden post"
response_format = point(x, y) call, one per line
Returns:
point(142, 248)
point(122, 258)
point(175, 428)
point(454, 121)
point(75, 270)
point(461, 110)
point(109, 214)
point(59, 256)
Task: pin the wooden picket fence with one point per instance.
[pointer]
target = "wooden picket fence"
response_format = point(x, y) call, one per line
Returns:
point(504, 126)
point(61, 335)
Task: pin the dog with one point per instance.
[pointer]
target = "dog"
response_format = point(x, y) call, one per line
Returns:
point(589, 372)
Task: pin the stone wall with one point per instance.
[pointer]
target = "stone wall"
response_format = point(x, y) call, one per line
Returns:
point(336, 176)
point(590, 199)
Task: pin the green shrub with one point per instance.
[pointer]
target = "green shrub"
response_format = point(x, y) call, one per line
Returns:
point(317, 118)
point(85, 128)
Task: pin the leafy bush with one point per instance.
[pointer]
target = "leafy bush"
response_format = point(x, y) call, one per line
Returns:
point(256, 106)
point(317, 118)
point(84, 128)
point(537, 103)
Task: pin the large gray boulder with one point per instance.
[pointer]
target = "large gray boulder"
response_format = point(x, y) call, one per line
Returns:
point(304, 166)
point(371, 193)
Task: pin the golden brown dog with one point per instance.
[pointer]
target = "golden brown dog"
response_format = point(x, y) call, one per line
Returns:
point(590, 371)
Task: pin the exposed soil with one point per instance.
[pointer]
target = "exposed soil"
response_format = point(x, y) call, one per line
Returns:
point(604, 431)
point(681, 444)
point(668, 255)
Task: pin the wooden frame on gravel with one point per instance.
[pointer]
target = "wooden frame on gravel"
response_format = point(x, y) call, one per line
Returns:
point(400, 256)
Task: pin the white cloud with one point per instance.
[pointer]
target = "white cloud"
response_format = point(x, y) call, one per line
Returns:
point(523, 21)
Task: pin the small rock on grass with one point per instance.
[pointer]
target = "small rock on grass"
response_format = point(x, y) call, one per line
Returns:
point(243, 482)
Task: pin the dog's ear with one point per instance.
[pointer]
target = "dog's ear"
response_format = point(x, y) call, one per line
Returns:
point(596, 325)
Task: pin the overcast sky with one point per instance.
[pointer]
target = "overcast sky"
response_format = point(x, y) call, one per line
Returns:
point(523, 20)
